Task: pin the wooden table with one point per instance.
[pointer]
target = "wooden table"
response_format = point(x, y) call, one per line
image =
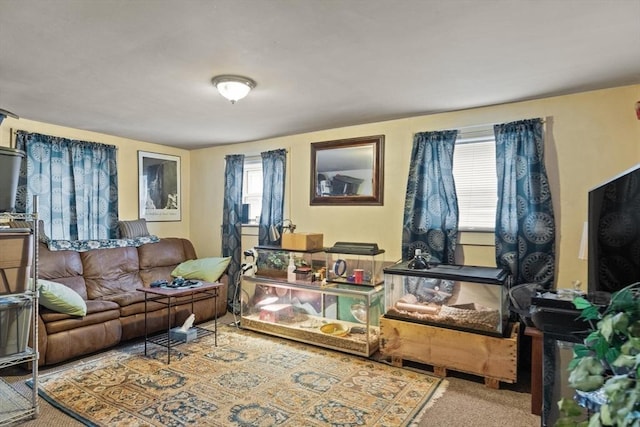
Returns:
point(211, 290)
point(536, 368)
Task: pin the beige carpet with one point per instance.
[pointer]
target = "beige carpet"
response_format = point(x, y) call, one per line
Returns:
point(466, 402)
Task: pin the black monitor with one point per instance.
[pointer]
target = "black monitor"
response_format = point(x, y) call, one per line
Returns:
point(614, 233)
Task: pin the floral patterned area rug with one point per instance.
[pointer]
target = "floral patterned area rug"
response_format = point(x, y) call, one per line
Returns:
point(249, 379)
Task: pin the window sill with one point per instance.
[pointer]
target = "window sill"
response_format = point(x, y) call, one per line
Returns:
point(476, 238)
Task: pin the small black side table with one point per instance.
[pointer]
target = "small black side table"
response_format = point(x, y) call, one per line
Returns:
point(210, 290)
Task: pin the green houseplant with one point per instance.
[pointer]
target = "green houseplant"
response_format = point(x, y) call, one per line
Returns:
point(608, 361)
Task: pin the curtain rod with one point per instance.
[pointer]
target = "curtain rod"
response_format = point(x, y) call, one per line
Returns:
point(14, 132)
point(487, 125)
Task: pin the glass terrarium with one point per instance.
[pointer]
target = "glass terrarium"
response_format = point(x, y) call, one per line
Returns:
point(355, 263)
point(340, 316)
point(467, 298)
point(272, 261)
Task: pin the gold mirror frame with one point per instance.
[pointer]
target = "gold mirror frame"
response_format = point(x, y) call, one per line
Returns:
point(348, 171)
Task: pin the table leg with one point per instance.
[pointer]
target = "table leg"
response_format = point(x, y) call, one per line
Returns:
point(215, 318)
point(145, 323)
point(169, 331)
point(536, 369)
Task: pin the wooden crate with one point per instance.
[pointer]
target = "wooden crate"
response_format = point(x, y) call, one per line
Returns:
point(494, 358)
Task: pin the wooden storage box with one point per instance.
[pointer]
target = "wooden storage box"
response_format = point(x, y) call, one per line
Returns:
point(494, 358)
point(302, 241)
point(16, 253)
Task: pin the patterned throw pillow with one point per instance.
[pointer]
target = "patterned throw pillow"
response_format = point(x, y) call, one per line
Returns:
point(133, 229)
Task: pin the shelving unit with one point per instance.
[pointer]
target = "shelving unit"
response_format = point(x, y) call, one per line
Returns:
point(15, 406)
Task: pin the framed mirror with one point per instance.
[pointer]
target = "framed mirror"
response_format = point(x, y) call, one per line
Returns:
point(347, 171)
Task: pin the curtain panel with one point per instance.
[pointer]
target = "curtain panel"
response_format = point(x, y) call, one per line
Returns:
point(232, 225)
point(274, 169)
point(525, 224)
point(431, 206)
point(76, 183)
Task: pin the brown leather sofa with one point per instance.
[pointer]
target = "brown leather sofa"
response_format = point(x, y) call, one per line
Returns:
point(107, 280)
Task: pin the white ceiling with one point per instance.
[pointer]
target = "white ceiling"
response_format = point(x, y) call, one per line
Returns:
point(141, 69)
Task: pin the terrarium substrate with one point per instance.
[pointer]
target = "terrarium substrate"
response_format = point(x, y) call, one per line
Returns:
point(306, 328)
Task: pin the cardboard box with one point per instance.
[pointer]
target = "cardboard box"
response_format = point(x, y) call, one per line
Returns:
point(16, 256)
point(302, 241)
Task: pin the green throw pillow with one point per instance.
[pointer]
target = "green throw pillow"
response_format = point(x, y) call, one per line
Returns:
point(58, 297)
point(207, 269)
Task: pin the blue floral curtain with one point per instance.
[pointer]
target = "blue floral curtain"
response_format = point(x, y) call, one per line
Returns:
point(232, 225)
point(76, 183)
point(274, 166)
point(525, 225)
point(431, 204)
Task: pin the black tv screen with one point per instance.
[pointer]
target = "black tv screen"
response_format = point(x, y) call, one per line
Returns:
point(614, 233)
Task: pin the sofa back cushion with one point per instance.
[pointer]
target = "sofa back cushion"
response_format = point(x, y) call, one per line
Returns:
point(110, 271)
point(63, 267)
point(157, 260)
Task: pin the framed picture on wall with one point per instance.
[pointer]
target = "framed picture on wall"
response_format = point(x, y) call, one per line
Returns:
point(348, 171)
point(159, 194)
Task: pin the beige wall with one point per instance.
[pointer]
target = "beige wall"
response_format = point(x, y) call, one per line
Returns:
point(127, 168)
point(590, 137)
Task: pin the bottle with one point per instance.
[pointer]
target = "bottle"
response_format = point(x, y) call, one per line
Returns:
point(291, 269)
point(418, 261)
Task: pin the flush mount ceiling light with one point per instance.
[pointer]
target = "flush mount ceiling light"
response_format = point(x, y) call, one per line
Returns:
point(233, 88)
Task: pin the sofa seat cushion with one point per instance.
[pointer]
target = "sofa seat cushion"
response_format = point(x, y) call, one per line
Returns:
point(97, 312)
point(133, 302)
point(124, 299)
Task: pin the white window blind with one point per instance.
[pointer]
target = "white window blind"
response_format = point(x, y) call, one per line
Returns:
point(252, 186)
point(474, 171)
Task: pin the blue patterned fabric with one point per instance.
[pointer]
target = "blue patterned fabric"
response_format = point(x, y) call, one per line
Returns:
point(431, 204)
point(88, 245)
point(274, 169)
point(525, 225)
point(76, 183)
point(232, 224)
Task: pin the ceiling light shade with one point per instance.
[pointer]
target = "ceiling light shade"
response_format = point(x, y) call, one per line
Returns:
point(233, 88)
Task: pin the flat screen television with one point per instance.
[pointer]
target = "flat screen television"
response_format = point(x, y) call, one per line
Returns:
point(614, 233)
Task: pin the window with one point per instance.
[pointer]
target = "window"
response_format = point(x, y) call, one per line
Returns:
point(252, 187)
point(474, 171)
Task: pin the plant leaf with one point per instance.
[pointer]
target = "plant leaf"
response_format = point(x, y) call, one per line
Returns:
point(606, 327)
point(581, 303)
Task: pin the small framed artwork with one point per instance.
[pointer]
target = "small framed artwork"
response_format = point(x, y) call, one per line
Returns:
point(348, 171)
point(159, 194)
